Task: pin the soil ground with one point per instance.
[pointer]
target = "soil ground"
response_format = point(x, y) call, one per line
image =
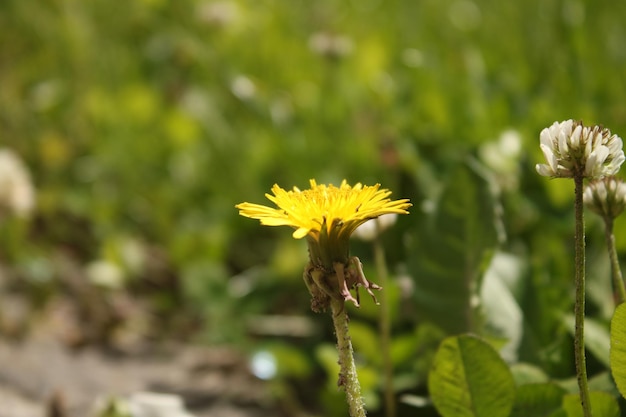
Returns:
point(39, 374)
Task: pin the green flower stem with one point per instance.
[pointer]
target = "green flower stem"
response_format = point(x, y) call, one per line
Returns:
point(616, 273)
point(579, 304)
point(348, 378)
point(385, 328)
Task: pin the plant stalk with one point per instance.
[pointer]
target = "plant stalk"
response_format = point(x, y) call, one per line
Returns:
point(579, 303)
point(385, 329)
point(348, 378)
point(616, 272)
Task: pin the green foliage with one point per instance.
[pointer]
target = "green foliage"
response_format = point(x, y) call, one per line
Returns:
point(597, 338)
point(602, 405)
point(537, 400)
point(618, 348)
point(291, 362)
point(368, 378)
point(455, 244)
point(526, 374)
point(470, 379)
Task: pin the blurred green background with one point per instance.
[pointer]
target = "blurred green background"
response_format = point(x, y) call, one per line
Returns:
point(143, 123)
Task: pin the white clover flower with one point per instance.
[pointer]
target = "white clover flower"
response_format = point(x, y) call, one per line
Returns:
point(330, 45)
point(105, 274)
point(219, 14)
point(243, 87)
point(17, 194)
point(605, 152)
point(606, 197)
point(573, 149)
point(502, 157)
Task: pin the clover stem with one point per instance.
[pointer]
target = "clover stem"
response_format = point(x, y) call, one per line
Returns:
point(579, 303)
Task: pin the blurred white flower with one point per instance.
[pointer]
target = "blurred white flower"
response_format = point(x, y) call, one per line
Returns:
point(220, 13)
point(413, 58)
point(465, 15)
point(281, 110)
point(502, 157)
point(573, 149)
point(17, 194)
point(105, 274)
point(47, 94)
point(243, 87)
point(374, 227)
point(263, 365)
point(606, 197)
point(130, 253)
point(330, 45)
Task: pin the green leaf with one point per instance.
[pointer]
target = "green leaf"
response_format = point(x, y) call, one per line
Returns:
point(327, 356)
point(365, 341)
point(502, 315)
point(596, 337)
point(368, 377)
point(537, 400)
point(602, 405)
point(455, 245)
point(525, 373)
point(618, 348)
point(470, 379)
point(603, 382)
point(291, 362)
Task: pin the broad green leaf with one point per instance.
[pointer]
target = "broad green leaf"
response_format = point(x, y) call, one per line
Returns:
point(618, 348)
point(602, 405)
point(469, 379)
point(537, 400)
point(453, 248)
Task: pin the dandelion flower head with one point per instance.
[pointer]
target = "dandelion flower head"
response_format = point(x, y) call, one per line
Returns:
point(325, 214)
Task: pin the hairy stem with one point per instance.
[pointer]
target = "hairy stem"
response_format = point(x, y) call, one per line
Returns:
point(579, 304)
point(616, 273)
point(385, 329)
point(348, 379)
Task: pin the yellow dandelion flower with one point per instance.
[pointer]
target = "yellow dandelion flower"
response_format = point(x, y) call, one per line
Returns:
point(325, 214)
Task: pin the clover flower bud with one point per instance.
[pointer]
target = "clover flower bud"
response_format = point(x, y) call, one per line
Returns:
point(606, 197)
